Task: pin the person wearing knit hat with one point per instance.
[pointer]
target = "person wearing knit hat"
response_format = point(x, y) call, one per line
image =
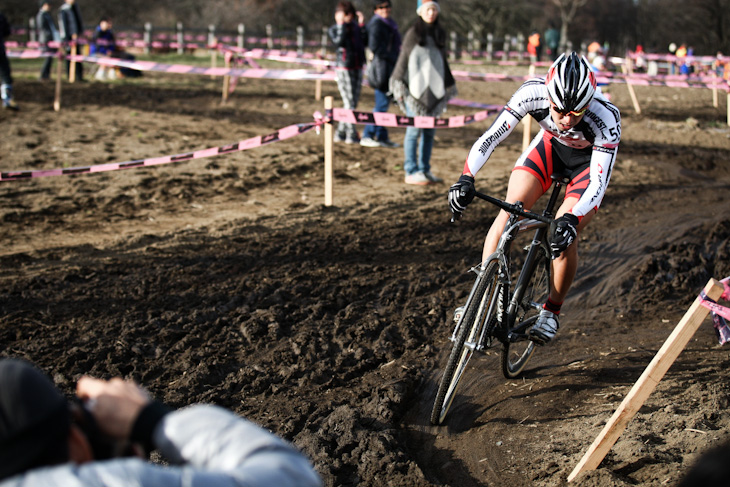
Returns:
point(422, 85)
point(48, 440)
point(427, 3)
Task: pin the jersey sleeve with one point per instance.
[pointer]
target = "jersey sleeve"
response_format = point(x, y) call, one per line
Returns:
point(606, 123)
point(523, 100)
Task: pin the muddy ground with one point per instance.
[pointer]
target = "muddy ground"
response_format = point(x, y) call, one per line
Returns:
point(227, 280)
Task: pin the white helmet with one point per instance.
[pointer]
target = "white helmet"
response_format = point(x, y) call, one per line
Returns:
point(571, 83)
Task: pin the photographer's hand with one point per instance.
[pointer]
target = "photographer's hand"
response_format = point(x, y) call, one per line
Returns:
point(115, 404)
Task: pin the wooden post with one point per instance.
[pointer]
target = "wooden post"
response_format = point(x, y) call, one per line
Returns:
point(727, 104)
point(241, 41)
point(300, 40)
point(490, 46)
point(323, 43)
point(452, 46)
point(72, 65)
point(31, 29)
point(715, 98)
point(147, 37)
point(180, 39)
point(59, 74)
point(226, 80)
point(269, 37)
point(213, 46)
point(328, 154)
point(627, 72)
point(648, 381)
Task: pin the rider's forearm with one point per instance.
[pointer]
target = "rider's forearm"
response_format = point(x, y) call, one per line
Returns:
point(485, 145)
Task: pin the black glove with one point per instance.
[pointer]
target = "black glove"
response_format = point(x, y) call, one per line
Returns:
point(563, 231)
point(461, 194)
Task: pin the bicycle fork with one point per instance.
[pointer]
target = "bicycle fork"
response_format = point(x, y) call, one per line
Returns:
point(485, 310)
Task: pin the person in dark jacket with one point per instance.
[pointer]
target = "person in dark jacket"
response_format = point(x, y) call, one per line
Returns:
point(72, 31)
point(384, 42)
point(349, 37)
point(6, 75)
point(47, 33)
point(103, 436)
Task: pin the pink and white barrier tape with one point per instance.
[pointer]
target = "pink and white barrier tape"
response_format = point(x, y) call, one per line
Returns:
point(337, 114)
point(253, 142)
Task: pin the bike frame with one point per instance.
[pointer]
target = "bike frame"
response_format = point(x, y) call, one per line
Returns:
point(514, 226)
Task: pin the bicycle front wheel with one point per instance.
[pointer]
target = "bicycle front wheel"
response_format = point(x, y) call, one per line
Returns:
point(480, 310)
point(530, 296)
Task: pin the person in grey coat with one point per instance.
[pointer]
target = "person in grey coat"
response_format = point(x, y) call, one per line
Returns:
point(102, 438)
point(47, 33)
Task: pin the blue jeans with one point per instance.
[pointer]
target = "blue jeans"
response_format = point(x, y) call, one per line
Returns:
point(418, 155)
point(381, 105)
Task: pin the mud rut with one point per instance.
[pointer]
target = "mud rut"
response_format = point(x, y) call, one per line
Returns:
point(226, 281)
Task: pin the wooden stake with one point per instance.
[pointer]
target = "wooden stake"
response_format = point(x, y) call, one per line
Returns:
point(72, 68)
point(226, 82)
point(634, 100)
point(59, 74)
point(715, 98)
point(648, 381)
point(328, 154)
point(318, 90)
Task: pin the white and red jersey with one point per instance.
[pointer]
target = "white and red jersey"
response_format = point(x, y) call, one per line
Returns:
point(600, 128)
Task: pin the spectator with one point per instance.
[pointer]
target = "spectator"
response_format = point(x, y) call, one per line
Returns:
point(6, 75)
point(72, 30)
point(552, 39)
point(349, 37)
point(534, 46)
point(422, 85)
point(46, 440)
point(47, 33)
point(104, 44)
point(639, 59)
point(384, 42)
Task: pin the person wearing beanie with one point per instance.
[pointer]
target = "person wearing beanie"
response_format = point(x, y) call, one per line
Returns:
point(349, 37)
point(422, 85)
point(427, 4)
point(47, 33)
point(47, 440)
point(384, 42)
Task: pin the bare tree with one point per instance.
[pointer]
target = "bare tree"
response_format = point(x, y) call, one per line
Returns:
point(568, 9)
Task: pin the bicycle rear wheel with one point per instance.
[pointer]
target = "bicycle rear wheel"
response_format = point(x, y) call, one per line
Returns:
point(517, 349)
point(480, 310)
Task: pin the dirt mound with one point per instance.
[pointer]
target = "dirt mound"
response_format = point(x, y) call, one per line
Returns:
point(226, 280)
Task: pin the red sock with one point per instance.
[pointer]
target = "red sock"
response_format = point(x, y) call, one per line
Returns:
point(552, 306)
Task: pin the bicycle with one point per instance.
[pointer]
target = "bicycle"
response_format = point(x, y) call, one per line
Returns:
point(505, 300)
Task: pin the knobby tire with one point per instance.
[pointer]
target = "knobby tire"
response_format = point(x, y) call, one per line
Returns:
point(470, 329)
point(530, 297)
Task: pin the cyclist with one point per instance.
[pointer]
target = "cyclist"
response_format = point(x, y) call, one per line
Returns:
point(579, 135)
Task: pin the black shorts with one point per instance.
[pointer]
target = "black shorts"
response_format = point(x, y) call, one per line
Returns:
point(547, 158)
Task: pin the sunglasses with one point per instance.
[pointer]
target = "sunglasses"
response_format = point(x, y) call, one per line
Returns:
point(563, 113)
